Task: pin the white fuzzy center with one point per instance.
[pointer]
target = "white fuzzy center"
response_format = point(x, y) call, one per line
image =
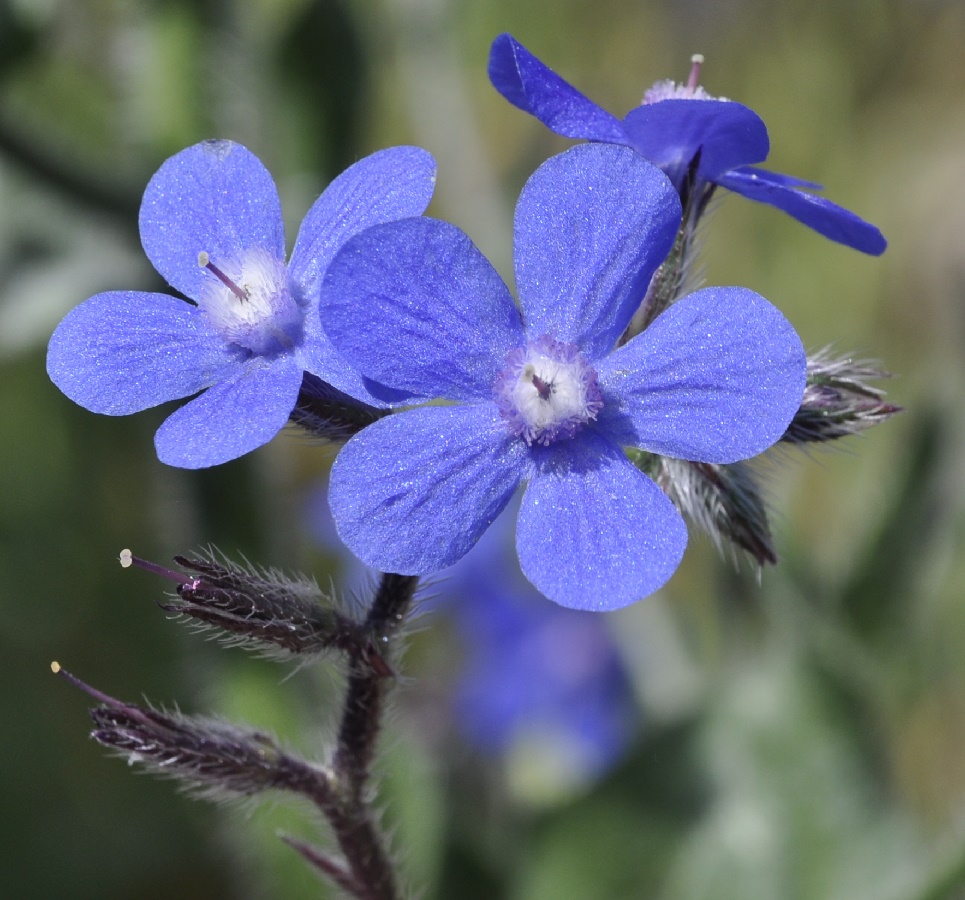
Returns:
point(247, 299)
point(547, 391)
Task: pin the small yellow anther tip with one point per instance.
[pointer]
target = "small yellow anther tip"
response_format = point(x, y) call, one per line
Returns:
point(126, 558)
point(55, 667)
point(203, 259)
point(697, 58)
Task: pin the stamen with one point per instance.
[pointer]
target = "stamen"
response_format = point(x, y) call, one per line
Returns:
point(57, 669)
point(269, 318)
point(693, 81)
point(205, 262)
point(128, 559)
point(543, 388)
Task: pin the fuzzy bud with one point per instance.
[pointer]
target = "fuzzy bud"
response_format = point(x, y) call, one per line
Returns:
point(265, 610)
point(723, 501)
point(209, 757)
point(837, 400)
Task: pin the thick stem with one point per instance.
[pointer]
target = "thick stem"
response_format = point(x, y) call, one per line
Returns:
point(367, 871)
point(326, 865)
point(366, 688)
point(363, 846)
point(351, 817)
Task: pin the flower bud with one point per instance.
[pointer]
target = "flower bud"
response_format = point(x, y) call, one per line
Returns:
point(208, 756)
point(264, 610)
point(837, 400)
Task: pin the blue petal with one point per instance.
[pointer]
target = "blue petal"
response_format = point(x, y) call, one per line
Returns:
point(412, 493)
point(592, 225)
point(827, 218)
point(669, 133)
point(776, 178)
point(214, 197)
point(233, 417)
point(318, 356)
point(715, 378)
point(594, 532)
point(414, 305)
point(392, 184)
point(124, 351)
point(527, 83)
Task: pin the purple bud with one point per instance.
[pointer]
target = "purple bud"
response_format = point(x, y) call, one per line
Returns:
point(837, 400)
point(208, 756)
point(264, 610)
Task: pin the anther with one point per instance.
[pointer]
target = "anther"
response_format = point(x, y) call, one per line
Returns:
point(204, 260)
point(693, 81)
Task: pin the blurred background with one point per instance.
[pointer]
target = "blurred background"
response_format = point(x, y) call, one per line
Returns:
point(800, 734)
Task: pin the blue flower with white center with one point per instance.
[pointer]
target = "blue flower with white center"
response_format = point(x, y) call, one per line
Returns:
point(696, 139)
point(543, 394)
point(211, 225)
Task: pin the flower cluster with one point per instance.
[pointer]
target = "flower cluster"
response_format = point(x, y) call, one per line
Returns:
point(609, 402)
point(378, 306)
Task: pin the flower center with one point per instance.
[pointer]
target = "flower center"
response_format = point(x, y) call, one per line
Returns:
point(249, 302)
point(670, 90)
point(547, 391)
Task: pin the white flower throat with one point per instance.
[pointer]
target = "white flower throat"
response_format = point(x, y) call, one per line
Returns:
point(547, 391)
point(248, 300)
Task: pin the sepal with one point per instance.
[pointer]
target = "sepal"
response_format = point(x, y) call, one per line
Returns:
point(278, 615)
point(723, 501)
point(330, 415)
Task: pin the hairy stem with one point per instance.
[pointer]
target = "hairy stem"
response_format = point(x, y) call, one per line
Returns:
point(351, 816)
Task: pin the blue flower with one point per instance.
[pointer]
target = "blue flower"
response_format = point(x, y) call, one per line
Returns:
point(541, 396)
point(672, 126)
point(211, 225)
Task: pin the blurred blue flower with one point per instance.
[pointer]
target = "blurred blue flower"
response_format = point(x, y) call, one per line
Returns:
point(536, 677)
point(543, 396)
point(211, 224)
point(710, 142)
